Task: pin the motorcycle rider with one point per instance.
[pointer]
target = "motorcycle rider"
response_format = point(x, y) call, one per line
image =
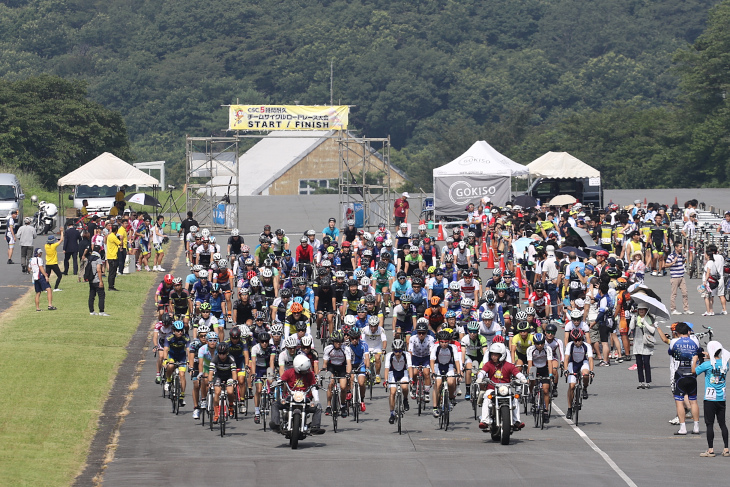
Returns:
point(299, 378)
point(499, 371)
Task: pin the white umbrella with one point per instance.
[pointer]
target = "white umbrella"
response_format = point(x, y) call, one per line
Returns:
point(562, 199)
point(656, 307)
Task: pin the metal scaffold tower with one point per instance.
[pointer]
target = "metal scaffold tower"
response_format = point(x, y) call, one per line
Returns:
point(211, 178)
point(365, 179)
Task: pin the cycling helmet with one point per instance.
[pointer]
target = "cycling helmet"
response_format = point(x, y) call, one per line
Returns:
point(197, 268)
point(168, 279)
point(538, 338)
point(576, 314)
point(413, 248)
point(361, 308)
point(326, 282)
point(502, 286)
point(498, 349)
point(398, 344)
point(351, 223)
point(507, 274)
point(193, 229)
point(467, 303)
point(279, 231)
point(423, 321)
point(300, 326)
point(496, 272)
point(212, 239)
point(234, 232)
point(166, 319)
point(310, 233)
point(576, 334)
point(290, 342)
point(388, 242)
point(338, 336)
point(522, 326)
point(373, 321)
point(621, 283)
point(370, 298)
point(205, 307)
point(422, 327)
point(267, 272)
point(178, 325)
point(417, 273)
point(212, 336)
point(450, 314)
point(307, 341)
point(406, 298)
point(431, 269)
point(530, 311)
point(462, 245)
point(539, 286)
point(521, 316)
point(613, 272)
point(367, 236)
point(435, 301)
point(365, 281)
point(449, 258)
point(217, 255)
point(489, 297)
point(354, 332)
point(176, 281)
point(203, 329)
point(249, 261)
point(286, 253)
point(215, 287)
point(268, 262)
point(235, 333)
point(203, 274)
point(245, 249)
point(299, 281)
point(260, 315)
point(473, 327)
point(304, 240)
point(498, 339)
point(255, 282)
point(551, 328)
point(297, 308)
point(350, 320)
point(443, 335)
point(222, 348)
point(487, 315)
point(454, 286)
point(277, 329)
point(205, 233)
point(422, 227)
point(285, 293)
point(340, 274)
point(416, 281)
point(359, 274)
point(250, 275)
point(264, 336)
point(302, 364)
point(326, 262)
point(245, 331)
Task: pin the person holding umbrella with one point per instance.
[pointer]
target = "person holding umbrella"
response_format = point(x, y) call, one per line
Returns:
point(644, 327)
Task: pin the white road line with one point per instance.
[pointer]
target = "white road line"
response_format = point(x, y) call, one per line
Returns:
point(595, 448)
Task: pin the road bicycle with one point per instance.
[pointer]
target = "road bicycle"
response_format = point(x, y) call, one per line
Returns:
point(537, 400)
point(399, 409)
point(445, 404)
point(175, 388)
point(420, 389)
point(577, 404)
point(336, 397)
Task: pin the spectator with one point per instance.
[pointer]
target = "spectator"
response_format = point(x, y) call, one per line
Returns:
point(96, 285)
point(93, 224)
point(10, 234)
point(715, 370)
point(72, 237)
point(113, 241)
point(158, 237)
point(643, 325)
point(676, 262)
point(713, 280)
point(25, 237)
point(122, 253)
point(52, 259)
point(40, 280)
point(401, 209)
point(84, 253)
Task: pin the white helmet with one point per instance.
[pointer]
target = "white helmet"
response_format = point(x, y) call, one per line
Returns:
point(467, 302)
point(245, 331)
point(212, 239)
point(193, 229)
point(487, 315)
point(203, 328)
point(302, 364)
point(277, 329)
point(388, 243)
point(359, 274)
point(373, 321)
point(306, 341)
point(267, 272)
point(421, 227)
point(290, 342)
point(367, 236)
point(222, 263)
point(197, 268)
point(254, 281)
point(462, 245)
point(205, 232)
point(413, 248)
point(351, 222)
point(203, 274)
point(500, 349)
point(576, 314)
point(350, 320)
point(365, 281)
point(234, 232)
point(340, 274)
point(454, 286)
point(216, 256)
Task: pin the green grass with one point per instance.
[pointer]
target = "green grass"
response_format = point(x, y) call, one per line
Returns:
point(57, 368)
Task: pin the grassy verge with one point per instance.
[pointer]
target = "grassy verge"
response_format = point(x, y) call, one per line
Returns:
point(57, 369)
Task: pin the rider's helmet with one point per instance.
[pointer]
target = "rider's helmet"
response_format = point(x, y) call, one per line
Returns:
point(576, 314)
point(264, 336)
point(398, 344)
point(222, 348)
point(530, 311)
point(203, 329)
point(212, 336)
point(576, 334)
point(302, 364)
point(521, 316)
point(523, 326)
point(551, 328)
point(168, 279)
point(290, 342)
point(277, 329)
point(538, 339)
point(422, 327)
point(473, 327)
point(178, 325)
point(498, 349)
point(307, 341)
point(443, 335)
point(435, 301)
point(338, 336)
point(487, 315)
point(205, 307)
point(373, 321)
point(203, 274)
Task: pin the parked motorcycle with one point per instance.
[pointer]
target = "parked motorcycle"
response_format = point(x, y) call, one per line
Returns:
point(44, 219)
point(296, 416)
point(502, 398)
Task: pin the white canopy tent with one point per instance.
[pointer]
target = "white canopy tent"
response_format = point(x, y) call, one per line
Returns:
point(480, 171)
point(561, 165)
point(107, 170)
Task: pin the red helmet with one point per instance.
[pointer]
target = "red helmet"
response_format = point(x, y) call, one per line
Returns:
point(168, 279)
point(576, 334)
point(345, 243)
point(498, 339)
point(251, 275)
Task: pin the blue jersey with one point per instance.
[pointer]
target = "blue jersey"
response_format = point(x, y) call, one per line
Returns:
point(216, 304)
point(358, 353)
point(682, 350)
point(714, 379)
point(190, 280)
point(178, 346)
point(202, 291)
point(419, 297)
point(438, 288)
point(362, 323)
point(398, 289)
point(334, 233)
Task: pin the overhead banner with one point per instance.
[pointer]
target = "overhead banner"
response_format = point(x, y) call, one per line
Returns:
point(287, 117)
point(453, 193)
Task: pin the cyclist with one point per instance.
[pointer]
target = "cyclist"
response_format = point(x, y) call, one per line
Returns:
point(400, 287)
point(201, 290)
point(238, 349)
point(383, 280)
point(577, 323)
point(205, 355)
point(435, 314)
point(162, 296)
point(235, 242)
point(222, 371)
point(193, 360)
point(262, 361)
point(473, 348)
point(243, 309)
point(540, 300)
point(308, 350)
point(419, 346)
point(163, 330)
point(578, 360)
point(304, 257)
point(489, 328)
point(499, 371)
point(175, 351)
point(404, 316)
point(360, 360)
point(398, 368)
point(557, 348)
point(351, 299)
point(520, 342)
point(470, 287)
point(298, 319)
point(207, 318)
point(179, 300)
point(325, 305)
point(374, 336)
point(280, 306)
point(445, 361)
point(438, 284)
point(541, 357)
point(453, 298)
point(337, 360)
point(419, 295)
point(289, 351)
point(224, 279)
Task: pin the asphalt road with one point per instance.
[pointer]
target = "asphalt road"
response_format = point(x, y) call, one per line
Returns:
point(623, 439)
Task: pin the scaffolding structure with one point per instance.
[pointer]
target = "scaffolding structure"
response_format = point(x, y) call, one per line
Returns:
point(211, 179)
point(365, 179)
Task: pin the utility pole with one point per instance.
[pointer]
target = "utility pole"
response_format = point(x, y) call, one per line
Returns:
point(332, 71)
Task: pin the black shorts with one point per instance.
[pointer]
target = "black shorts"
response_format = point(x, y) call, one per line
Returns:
point(220, 380)
point(337, 370)
point(325, 307)
point(521, 356)
point(462, 267)
point(685, 385)
point(543, 372)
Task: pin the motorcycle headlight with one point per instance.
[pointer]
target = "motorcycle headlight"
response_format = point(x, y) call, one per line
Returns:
point(503, 390)
point(298, 396)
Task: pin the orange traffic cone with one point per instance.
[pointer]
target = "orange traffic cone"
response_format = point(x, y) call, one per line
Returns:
point(484, 250)
point(502, 267)
point(675, 200)
point(518, 277)
point(490, 259)
point(644, 202)
point(440, 235)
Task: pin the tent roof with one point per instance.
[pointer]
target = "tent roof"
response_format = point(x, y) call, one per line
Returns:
point(107, 170)
point(481, 158)
point(561, 165)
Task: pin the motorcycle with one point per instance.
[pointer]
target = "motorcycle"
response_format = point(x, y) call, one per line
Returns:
point(296, 416)
point(502, 398)
point(44, 219)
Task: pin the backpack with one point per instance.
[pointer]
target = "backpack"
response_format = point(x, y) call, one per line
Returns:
point(89, 271)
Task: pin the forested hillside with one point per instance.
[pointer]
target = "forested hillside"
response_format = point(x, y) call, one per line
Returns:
point(600, 79)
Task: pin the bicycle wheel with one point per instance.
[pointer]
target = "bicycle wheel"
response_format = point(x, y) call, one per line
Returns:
point(420, 394)
point(264, 408)
point(175, 394)
point(371, 380)
point(211, 411)
point(223, 414)
point(576, 401)
point(236, 401)
point(356, 401)
point(399, 409)
point(178, 395)
point(446, 407)
point(335, 408)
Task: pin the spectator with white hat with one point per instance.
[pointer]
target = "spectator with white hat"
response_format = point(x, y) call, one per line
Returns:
point(401, 209)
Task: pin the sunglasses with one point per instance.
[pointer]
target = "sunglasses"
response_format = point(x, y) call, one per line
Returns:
point(421, 333)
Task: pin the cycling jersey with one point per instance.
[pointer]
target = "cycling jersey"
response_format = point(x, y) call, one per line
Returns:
point(223, 368)
point(235, 244)
point(421, 348)
point(236, 351)
point(261, 356)
point(556, 347)
point(179, 301)
point(162, 333)
point(352, 300)
point(398, 288)
point(445, 357)
point(578, 354)
point(397, 366)
point(177, 347)
point(201, 291)
point(438, 287)
point(244, 312)
point(468, 287)
point(382, 280)
point(358, 353)
point(435, 318)
point(374, 339)
point(163, 293)
point(489, 332)
point(539, 357)
point(286, 360)
point(474, 348)
point(206, 355)
point(521, 345)
point(337, 356)
point(540, 303)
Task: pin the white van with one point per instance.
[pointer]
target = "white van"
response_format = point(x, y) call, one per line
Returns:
point(11, 198)
point(100, 198)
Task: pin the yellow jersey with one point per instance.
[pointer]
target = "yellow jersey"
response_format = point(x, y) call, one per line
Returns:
point(521, 345)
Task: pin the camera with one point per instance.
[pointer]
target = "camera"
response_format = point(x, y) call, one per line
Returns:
point(170, 186)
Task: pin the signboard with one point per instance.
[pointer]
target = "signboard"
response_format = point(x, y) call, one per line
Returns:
point(594, 181)
point(287, 117)
point(453, 193)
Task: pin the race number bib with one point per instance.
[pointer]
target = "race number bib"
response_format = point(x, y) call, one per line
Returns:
point(574, 284)
point(710, 394)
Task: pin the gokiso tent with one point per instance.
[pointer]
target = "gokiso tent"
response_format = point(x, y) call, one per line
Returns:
point(480, 171)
